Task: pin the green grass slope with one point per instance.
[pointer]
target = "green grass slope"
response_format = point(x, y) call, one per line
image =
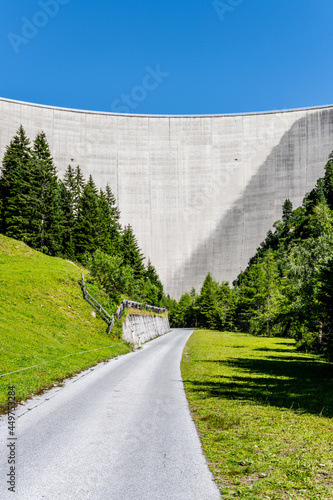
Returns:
point(264, 412)
point(43, 317)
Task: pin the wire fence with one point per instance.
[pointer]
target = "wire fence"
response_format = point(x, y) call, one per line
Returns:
point(137, 305)
point(106, 317)
point(62, 357)
point(93, 302)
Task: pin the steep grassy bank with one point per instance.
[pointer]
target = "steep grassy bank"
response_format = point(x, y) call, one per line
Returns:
point(264, 412)
point(43, 317)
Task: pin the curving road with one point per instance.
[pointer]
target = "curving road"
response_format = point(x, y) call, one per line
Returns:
point(121, 431)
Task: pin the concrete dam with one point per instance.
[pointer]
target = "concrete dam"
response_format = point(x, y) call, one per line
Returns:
point(200, 192)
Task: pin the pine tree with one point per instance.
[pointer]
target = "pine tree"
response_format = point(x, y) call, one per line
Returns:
point(209, 314)
point(68, 216)
point(111, 200)
point(328, 181)
point(110, 228)
point(287, 211)
point(78, 187)
point(74, 184)
point(319, 221)
point(87, 231)
point(194, 308)
point(152, 276)
point(14, 186)
point(316, 196)
point(45, 226)
point(259, 297)
point(68, 184)
point(226, 304)
point(131, 252)
point(182, 317)
point(72, 188)
point(18, 149)
point(287, 218)
point(271, 293)
point(325, 303)
point(30, 193)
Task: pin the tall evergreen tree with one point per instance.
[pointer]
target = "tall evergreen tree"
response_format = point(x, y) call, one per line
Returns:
point(14, 186)
point(316, 196)
point(328, 181)
point(325, 302)
point(259, 298)
point(87, 231)
point(152, 276)
point(182, 313)
point(78, 187)
point(209, 314)
point(72, 188)
point(287, 211)
point(112, 203)
point(110, 228)
point(45, 227)
point(226, 304)
point(131, 252)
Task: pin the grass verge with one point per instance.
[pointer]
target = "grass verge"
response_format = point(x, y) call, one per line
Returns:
point(44, 320)
point(264, 414)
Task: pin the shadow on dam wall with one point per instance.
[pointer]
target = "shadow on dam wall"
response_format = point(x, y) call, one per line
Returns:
point(290, 170)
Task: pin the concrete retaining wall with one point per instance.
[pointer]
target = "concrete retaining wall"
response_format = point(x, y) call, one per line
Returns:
point(141, 328)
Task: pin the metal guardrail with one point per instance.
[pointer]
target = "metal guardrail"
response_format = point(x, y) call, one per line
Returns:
point(125, 304)
point(89, 298)
point(137, 305)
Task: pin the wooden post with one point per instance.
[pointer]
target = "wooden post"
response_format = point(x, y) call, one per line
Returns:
point(83, 285)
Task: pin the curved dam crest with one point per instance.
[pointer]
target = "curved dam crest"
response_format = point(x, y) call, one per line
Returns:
point(200, 192)
point(291, 169)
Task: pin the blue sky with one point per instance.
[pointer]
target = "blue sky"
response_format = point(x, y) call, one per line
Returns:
point(168, 57)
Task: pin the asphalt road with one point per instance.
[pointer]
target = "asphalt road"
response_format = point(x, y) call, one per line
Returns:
point(122, 431)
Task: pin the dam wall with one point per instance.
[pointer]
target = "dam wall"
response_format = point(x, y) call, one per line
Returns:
point(200, 192)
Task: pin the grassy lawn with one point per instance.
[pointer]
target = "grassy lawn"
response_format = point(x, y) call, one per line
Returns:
point(264, 413)
point(43, 317)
